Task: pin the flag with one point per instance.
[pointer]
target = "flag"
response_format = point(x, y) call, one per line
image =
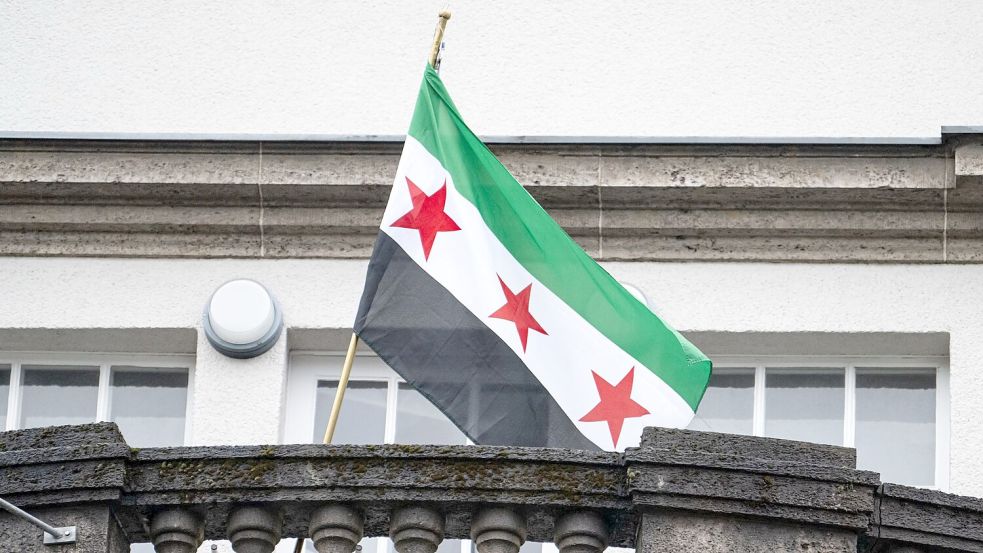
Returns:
point(488, 308)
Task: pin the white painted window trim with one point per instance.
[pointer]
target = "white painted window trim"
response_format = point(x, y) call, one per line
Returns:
point(104, 362)
point(849, 364)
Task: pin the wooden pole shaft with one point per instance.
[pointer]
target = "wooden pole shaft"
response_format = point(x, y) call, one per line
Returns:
point(346, 371)
point(438, 37)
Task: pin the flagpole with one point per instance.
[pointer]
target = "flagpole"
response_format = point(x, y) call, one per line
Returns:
point(438, 37)
point(346, 370)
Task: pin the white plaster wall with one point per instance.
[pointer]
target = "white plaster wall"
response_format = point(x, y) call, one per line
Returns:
point(835, 68)
point(241, 402)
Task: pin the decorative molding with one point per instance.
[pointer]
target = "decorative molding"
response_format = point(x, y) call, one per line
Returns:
point(640, 202)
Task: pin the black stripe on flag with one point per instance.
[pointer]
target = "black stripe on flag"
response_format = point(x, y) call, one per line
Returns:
point(426, 335)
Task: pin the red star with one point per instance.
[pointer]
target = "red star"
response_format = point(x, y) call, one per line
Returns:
point(427, 215)
point(616, 404)
point(516, 309)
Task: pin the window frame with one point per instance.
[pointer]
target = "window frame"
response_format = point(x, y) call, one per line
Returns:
point(104, 362)
point(849, 364)
point(306, 400)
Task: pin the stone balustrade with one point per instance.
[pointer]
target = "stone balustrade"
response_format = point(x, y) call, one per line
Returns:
point(680, 491)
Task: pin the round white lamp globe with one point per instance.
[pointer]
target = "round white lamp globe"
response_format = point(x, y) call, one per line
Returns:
point(640, 296)
point(242, 319)
point(637, 292)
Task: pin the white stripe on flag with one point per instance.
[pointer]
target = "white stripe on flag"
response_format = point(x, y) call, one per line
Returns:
point(468, 264)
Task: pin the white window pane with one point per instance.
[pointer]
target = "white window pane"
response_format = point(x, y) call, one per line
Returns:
point(55, 395)
point(149, 405)
point(805, 404)
point(896, 424)
point(419, 422)
point(4, 394)
point(728, 405)
point(363, 413)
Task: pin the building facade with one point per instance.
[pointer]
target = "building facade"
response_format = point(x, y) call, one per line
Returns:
point(836, 286)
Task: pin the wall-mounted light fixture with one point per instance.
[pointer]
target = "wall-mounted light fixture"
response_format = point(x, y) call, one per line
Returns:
point(637, 292)
point(642, 297)
point(242, 320)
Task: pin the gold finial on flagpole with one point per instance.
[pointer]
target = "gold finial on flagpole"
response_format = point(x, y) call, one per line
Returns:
point(438, 37)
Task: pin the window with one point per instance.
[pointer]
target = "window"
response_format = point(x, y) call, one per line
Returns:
point(4, 394)
point(362, 419)
point(379, 407)
point(894, 411)
point(149, 404)
point(146, 396)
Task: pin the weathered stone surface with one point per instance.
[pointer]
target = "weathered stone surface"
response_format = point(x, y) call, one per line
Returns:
point(336, 528)
point(681, 470)
point(684, 532)
point(96, 529)
point(176, 531)
point(913, 517)
point(774, 248)
point(62, 464)
point(581, 532)
point(776, 167)
point(66, 476)
point(969, 159)
point(416, 529)
point(820, 203)
point(380, 478)
point(680, 491)
point(498, 530)
point(254, 529)
point(744, 449)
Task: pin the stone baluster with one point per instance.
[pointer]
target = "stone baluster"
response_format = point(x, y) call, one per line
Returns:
point(254, 530)
point(335, 528)
point(416, 529)
point(176, 531)
point(580, 532)
point(498, 530)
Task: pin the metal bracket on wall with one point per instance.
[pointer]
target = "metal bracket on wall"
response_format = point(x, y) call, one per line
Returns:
point(66, 534)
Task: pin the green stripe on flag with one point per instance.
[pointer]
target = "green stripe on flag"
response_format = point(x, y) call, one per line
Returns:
point(547, 252)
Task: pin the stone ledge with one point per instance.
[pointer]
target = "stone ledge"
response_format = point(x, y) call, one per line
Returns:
point(927, 519)
point(63, 464)
point(740, 475)
point(800, 493)
point(297, 478)
point(819, 203)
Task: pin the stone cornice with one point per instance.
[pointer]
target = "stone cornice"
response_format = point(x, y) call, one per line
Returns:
point(764, 202)
point(673, 474)
point(927, 519)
